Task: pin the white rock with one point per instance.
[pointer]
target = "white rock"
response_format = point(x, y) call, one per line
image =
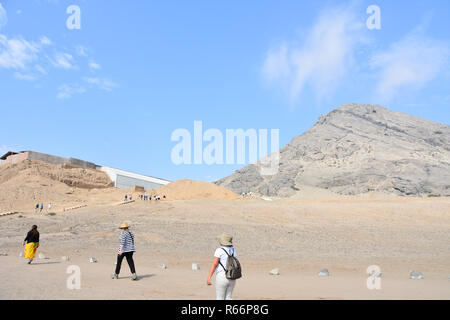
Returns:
point(65, 258)
point(195, 266)
point(163, 266)
point(324, 273)
point(416, 275)
point(42, 256)
point(21, 254)
point(92, 260)
point(275, 272)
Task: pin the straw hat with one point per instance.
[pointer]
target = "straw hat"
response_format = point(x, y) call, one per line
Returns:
point(124, 226)
point(226, 240)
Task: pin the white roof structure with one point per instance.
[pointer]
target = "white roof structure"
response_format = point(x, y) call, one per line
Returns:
point(126, 179)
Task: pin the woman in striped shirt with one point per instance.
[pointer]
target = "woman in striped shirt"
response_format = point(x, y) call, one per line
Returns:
point(126, 249)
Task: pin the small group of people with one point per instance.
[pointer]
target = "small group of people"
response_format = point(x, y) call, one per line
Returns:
point(247, 194)
point(145, 197)
point(224, 255)
point(148, 197)
point(40, 207)
point(128, 197)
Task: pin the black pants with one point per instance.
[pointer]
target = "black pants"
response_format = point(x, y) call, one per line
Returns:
point(129, 256)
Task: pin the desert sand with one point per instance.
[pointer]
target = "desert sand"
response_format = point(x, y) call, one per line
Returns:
point(299, 237)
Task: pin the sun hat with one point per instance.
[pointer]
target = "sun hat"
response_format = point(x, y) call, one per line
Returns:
point(226, 240)
point(124, 226)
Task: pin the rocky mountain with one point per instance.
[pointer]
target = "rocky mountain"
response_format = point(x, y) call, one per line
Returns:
point(357, 149)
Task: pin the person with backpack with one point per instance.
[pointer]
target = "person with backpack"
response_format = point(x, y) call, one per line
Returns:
point(126, 249)
point(227, 268)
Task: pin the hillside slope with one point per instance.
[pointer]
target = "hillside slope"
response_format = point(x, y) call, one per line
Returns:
point(358, 149)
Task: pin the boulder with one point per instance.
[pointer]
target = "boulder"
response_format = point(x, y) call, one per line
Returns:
point(416, 275)
point(324, 273)
point(195, 266)
point(274, 272)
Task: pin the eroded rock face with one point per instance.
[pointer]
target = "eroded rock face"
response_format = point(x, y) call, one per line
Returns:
point(356, 149)
point(70, 175)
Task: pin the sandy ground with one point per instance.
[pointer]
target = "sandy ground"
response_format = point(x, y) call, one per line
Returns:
point(299, 237)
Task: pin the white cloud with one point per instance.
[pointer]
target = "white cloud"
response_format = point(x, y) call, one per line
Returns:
point(62, 60)
point(411, 62)
point(40, 69)
point(66, 91)
point(81, 51)
point(45, 41)
point(16, 53)
point(94, 66)
point(3, 16)
point(102, 83)
point(322, 60)
point(26, 77)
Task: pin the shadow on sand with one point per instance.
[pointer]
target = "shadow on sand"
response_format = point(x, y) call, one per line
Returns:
point(143, 276)
point(36, 263)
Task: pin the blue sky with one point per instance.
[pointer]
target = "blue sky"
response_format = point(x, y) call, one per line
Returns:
point(113, 91)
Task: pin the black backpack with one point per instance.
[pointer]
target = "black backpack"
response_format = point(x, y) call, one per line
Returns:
point(234, 270)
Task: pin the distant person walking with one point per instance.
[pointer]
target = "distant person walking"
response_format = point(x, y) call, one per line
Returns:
point(126, 249)
point(42, 207)
point(49, 207)
point(31, 243)
point(36, 208)
point(126, 198)
point(225, 274)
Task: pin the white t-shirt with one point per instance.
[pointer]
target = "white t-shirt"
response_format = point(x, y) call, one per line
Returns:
point(220, 253)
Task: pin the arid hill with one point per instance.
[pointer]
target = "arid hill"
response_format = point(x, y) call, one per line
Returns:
point(27, 183)
point(65, 173)
point(358, 149)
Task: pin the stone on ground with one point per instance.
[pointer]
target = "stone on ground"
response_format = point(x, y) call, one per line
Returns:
point(274, 272)
point(416, 275)
point(324, 273)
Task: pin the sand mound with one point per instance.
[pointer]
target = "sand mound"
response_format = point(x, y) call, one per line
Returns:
point(194, 190)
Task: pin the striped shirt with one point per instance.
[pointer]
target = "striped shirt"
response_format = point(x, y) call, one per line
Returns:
point(126, 240)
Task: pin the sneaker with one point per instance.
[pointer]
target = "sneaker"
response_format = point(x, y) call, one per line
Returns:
point(114, 276)
point(134, 276)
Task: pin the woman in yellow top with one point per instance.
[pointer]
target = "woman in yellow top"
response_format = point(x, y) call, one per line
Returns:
point(31, 243)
